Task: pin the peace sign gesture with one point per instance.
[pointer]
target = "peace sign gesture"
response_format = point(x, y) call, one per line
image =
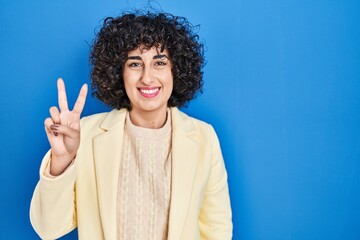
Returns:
point(63, 129)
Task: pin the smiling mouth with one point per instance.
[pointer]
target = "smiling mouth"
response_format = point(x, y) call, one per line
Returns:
point(149, 92)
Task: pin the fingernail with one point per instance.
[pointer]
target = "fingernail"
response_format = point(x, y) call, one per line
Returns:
point(56, 134)
point(54, 127)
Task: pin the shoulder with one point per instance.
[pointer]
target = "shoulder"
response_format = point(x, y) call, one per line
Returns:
point(94, 117)
point(183, 118)
point(103, 121)
point(92, 120)
point(186, 123)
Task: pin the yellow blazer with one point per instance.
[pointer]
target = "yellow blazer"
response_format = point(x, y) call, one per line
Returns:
point(85, 195)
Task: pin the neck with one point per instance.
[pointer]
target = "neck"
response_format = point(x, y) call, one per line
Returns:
point(152, 120)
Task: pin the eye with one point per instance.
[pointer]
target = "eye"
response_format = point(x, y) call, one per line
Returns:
point(160, 63)
point(134, 64)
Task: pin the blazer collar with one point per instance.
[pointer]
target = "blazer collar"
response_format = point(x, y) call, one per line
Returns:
point(185, 150)
point(114, 119)
point(180, 121)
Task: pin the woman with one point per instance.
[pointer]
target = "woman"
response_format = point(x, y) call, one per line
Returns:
point(145, 170)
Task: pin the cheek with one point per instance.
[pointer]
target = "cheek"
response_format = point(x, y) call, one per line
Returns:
point(129, 79)
point(169, 79)
point(125, 78)
point(128, 87)
point(126, 84)
point(171, 83)
point(170, 87)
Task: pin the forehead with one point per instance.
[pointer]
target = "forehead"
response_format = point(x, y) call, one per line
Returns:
point(143, 51)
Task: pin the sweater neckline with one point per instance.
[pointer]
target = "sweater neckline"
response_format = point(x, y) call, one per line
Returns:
point(149, 133)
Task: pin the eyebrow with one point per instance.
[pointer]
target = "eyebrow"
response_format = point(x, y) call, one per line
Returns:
point(159, 56)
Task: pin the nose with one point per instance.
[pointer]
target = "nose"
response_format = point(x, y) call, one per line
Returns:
point(147, 77)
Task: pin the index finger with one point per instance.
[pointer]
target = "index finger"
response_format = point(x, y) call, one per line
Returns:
point(80, 102)
point(62, 99)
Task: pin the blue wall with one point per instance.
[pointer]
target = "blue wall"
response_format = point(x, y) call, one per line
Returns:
point(282, 89)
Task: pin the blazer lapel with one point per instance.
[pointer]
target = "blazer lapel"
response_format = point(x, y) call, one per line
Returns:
point(107, 164)
point(185, 152)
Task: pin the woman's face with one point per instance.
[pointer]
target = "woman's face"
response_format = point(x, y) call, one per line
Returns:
point(148, 79)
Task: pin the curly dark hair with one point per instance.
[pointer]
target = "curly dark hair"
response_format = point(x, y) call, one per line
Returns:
point(120, 35)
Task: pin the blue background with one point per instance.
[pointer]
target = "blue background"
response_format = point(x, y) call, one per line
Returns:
point(282, 89)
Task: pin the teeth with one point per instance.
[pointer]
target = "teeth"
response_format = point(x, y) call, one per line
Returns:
point(149, 91)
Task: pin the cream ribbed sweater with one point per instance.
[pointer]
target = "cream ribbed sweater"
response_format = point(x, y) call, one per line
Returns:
point(145, 182)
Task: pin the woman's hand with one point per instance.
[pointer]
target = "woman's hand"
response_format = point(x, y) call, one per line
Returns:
point(63, 129)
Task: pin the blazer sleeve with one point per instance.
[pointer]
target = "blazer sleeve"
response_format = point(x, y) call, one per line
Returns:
point(52, 208)
point(215, 220)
